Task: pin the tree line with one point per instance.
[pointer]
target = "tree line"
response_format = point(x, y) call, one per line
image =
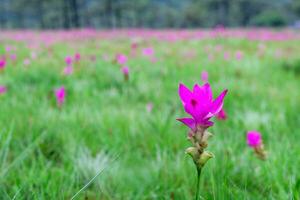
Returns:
point(58, 14)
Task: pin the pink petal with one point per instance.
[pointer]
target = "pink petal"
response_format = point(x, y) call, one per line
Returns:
point(184, 93)
point(203, 92)
point(218, 103)
point(190, 122)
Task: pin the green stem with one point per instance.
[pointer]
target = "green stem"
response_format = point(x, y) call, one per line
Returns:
point(198, 182)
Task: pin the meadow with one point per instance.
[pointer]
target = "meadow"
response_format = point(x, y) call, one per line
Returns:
point(124, 133)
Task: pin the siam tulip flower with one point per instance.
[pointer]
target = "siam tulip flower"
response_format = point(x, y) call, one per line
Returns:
point(125, 71)
point(254, 140)
point(60, 95)
point(239, 55)
point(68, 70)
point(33, 55)
point(134, 46)
point(148, 52)
point(3, 89)
point(77, 57)
point(2, 63)
point(222, 115)
point(149, 107)
point(153, 60)
point(121, 59)
point(105, 57)
point(68, 60)
point(13, 57)
point(199, 103)
point(8, 49)
point(93, 58)
point(204, 76)
point(26, 62)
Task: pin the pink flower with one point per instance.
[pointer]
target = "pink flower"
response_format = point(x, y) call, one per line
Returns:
point(125, 71)
point(68, 70)
point(149, 107)
point(77, 57)
point(33, 55)
point(121, 59)
point(8, 49)
point(200, 104)
point(239, 55)
point(222, 115)
point(13, 57)
point(3, 89)
point(93, 58)
point(134, 46)
point(68, 60)
point(2, 63)
point(60, 94)
point(254, 139)
point(148, 51)
point(204, 76)
point(26, 62)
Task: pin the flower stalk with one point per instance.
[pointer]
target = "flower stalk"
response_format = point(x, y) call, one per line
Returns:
point(199, 103)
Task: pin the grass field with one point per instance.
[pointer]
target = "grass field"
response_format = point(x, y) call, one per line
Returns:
point(106, 124)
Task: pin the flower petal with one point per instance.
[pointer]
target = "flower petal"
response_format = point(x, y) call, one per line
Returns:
point(218, 103)
point(206, 123)
point(190, 122)
point(184, 93)
point(204, 93)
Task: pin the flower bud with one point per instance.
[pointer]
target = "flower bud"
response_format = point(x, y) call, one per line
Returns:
point(205, 137)
point(204, 157)
point(193, 152)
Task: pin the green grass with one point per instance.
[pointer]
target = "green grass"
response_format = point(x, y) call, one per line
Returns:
point(48, 153)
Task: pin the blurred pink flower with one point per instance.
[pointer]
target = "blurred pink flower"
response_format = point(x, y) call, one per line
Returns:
point(3, 89)
point(121, 59)
point(2, 63)
point(149, 107)
point(68, 60)
point(77, 57)
point(125, 71)
point(200, 104)
point(218, 48)
point(26, 62)
point(153, 60)
point(105, 57)
point(68, 70)
point(210, 57)
point(148, 51)
point(13, 57)
point(33, 55)
point(222, 115)
point(254, 139)
point(60, 95)
point(239, 55)
point(7, 48)
point(93, 58)
point(204, 76)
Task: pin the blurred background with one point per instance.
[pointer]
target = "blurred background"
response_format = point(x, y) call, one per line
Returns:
point(67, 14)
